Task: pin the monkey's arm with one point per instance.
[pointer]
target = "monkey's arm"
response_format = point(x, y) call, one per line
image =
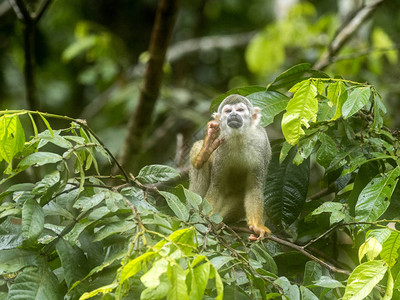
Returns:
point(210, 144)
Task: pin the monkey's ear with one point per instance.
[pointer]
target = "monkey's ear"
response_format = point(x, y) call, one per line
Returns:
point(256, 115)
point(216, 116)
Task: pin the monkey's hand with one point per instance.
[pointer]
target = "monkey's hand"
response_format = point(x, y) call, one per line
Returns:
point(210, 144)
point(260, 230)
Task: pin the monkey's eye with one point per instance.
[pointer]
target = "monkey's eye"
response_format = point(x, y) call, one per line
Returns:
point(228, 111)
point(240, 109)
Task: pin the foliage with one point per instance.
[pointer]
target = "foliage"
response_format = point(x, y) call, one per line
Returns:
point(74, 233)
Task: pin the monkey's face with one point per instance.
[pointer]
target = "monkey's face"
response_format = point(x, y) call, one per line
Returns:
point(236, 116)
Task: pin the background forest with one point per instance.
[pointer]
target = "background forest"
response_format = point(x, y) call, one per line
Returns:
point(94, 180)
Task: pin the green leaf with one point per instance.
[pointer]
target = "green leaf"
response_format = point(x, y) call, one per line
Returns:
point(151, 279)
point(312, 272)
point(176, 205)
point(374, 199)
point(39, 159)
point(193, 198)
point(185, 238)
point(13, 260)
point(220, 261)
point(389, 287)
point(113, 228)
point(216, 218)
point(32, 221)
point(243, 91)
point(365, 174)
point(290, 291)
point(328, 282)
point(327, 151)
point(337, 94)
point(178, 289)
point(85, 203)
point(271, 104)
point(381, 234)
point(10, 235)
point(54, 138)
point(12, 139)
point(218, 283)
point(73, 261)
point(371, 247)
point(357, 99)
point(286, 191)
point(135, 265)
point(334, 208)
point(158, 292)
point(103, 290)
point(290, 77)
point(305, 147)
point(301, 109)
point(363, 279)
point(379, 111)
point(390, 249)
point(17, 188)
point(47, 124)
point(156, 173)
point(35, 130)
point(36, 283)
point(306, 294)
point(199, 281)
point(50, 184)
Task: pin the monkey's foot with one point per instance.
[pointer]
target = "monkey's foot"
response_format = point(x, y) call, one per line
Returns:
point(260, 230)
point(210, 144)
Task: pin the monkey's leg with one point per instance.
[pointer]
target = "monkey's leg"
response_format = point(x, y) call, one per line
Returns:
point(210, 144)
point(254, 206)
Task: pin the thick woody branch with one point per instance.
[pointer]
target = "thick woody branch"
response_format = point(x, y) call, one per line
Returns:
point(301, 249)
point(345, 33)
point(141, 119)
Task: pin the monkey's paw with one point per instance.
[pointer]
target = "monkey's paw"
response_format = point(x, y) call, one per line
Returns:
point(260, 230)
point(211, 141)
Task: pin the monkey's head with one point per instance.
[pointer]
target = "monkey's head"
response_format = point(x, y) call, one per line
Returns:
point(236, 112)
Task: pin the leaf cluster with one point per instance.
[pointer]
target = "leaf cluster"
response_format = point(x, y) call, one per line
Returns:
point(76, 233)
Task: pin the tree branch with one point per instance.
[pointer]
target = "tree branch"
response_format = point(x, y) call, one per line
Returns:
point(43, 7)
point(203, 44)
point(301, 249)
point(20, 10)
point(141, 119)
point(344, 34)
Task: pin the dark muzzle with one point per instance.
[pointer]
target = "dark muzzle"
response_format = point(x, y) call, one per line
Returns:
point(235, 121)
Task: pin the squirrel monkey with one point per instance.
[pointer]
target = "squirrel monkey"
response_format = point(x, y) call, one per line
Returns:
point(228, 168)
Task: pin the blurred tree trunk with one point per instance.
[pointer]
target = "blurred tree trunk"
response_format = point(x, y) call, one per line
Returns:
point(30, 21)
point(141, 118)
